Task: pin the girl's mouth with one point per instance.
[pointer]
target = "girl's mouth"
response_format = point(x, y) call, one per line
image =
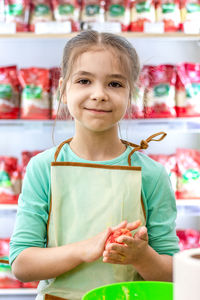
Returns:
point(94, 110)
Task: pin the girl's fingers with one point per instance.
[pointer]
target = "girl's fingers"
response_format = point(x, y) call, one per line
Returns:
point(123, 224)
point(133, 225)
point(114, 256)
point(142, 233)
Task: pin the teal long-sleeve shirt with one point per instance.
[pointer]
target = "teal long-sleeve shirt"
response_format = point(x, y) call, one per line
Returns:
point(34, 201)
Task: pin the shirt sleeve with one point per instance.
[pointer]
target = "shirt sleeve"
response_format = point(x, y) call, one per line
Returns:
point(32, 214)
point(161, 216)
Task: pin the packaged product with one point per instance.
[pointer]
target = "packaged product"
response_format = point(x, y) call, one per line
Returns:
point(188, 90)
point(188, 173)
point(67, 10)
point(169, 162)
point(29, 285)
point(26, 156)
point(188, 238)
point(4, 247)
point(168, 11)
point(41, 11)
point(10, 180)
point(35, 102)
point(7, 279)
point(9, 93)
point(160, 95)
point(17, 11)
point(93, 11)
point(190, 12)
point(118, 11)
point(141, 12)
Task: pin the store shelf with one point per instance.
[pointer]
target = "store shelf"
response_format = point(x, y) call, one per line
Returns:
point(188, 202)
point(167, 35)
point(18, 292)
point(182, 124)
point(8, 206)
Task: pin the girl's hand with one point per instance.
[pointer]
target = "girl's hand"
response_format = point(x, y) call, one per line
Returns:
point(92, 249)
point(132, 249)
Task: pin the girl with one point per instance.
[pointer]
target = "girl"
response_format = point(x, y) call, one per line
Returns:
point(76, 195)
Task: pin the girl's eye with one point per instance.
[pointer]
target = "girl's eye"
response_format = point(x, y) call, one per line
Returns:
point(84, 81)
point(115, 84)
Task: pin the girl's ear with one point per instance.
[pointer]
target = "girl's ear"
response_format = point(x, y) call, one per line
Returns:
point(64, 98)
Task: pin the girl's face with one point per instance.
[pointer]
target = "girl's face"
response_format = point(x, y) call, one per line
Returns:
point(97, 92)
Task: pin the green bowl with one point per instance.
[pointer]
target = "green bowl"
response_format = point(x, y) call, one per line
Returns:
point(138, 290)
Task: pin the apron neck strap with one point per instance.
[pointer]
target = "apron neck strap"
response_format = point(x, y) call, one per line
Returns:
point(60, 147)
point(144, 143)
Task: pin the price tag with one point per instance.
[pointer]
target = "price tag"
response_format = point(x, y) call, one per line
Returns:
point(157, 27)
point(53, 27)
point(191, 28)
point(114, 27)
point(7, 28)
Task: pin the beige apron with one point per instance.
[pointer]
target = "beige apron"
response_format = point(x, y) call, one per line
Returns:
point(86, 199)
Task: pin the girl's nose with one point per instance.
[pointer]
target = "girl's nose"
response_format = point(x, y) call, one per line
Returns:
point(99, 94)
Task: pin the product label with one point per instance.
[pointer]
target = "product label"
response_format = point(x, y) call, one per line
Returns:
point(161, 90)
point(92, 10)
point(41, 10)
point(168, 8)
point(193, 7)
point(192, 90)
point(5, 179)
point(143, 7)
point(190, 174)
point(32, 92)
point(5, 91)
point(15, 9)
point(66, 9)
point(116, 10)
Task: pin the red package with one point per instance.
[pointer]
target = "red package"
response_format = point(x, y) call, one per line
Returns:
point(141, 12)
point(188, 238)
point(169, 162)
point(4, 247)
point(160, 95)
point(67, 10)
point(35, 102)
point(26, 156)
point(119, 11)
point(117, 233)
point(188, 173)
point(10, 180)
point(9, 93)
point(188, 90)
point(41, 11)
point(7, 279)
point(168, 11)
point(29, 285)
point(93, 11)
point(17, 11)
point(190, 13)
